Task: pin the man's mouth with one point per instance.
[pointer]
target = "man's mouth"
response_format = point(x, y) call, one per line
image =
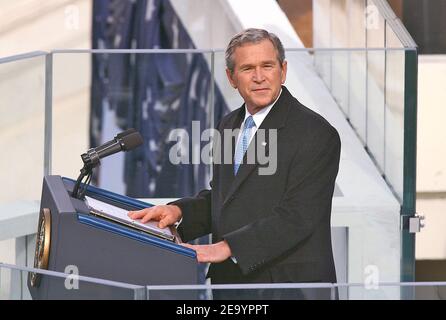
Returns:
point(260, 90)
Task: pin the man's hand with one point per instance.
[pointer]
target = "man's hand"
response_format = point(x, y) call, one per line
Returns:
point(213, 253)
point(166, 215)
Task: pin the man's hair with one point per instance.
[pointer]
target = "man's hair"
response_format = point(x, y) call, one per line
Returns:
point(252, 35)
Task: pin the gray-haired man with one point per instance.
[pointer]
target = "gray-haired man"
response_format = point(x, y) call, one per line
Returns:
point(265, 228)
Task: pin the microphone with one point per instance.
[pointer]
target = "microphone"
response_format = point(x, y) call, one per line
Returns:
point(124, 141)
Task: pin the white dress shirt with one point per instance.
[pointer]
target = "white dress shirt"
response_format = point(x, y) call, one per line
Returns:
point(258, 119)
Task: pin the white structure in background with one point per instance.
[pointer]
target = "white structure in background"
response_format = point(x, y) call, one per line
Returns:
point(431, 175)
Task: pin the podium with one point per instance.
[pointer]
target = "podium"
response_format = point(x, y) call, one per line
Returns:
point(70, 237)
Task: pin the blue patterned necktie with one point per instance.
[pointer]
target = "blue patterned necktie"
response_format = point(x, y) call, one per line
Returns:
point(243, 143)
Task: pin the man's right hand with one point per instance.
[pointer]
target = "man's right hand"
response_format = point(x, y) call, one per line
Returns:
point(166, 215)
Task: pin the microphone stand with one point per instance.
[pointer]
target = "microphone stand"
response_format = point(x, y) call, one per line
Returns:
point(90, 159)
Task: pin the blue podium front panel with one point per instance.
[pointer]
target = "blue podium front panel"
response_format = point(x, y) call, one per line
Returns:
point(104, 249)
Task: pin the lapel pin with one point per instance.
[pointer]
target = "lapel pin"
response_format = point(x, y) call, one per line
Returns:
point(264, 143)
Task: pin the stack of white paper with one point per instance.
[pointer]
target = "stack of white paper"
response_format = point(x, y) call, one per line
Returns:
point(117, 214)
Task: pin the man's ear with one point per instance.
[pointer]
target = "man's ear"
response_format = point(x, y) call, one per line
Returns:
point(284, 70)
point(231, 80)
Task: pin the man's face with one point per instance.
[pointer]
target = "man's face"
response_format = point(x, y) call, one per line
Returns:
point(258, 74)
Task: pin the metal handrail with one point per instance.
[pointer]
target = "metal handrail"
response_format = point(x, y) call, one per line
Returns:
point(23, 56)
point(395, 23)
point(210, 51)
point(67, 275)
point(223, 286)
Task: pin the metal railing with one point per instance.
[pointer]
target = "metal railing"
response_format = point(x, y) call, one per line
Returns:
point(83, 287)
point(54, 69)
point(385, 116)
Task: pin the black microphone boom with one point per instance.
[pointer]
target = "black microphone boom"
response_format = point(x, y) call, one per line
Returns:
point(119, 136)
point(124, 141)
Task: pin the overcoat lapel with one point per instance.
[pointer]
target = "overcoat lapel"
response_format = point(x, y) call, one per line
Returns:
point(227, 176)
point(275, 119)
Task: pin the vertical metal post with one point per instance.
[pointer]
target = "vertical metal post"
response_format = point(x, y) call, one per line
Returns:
point(333, 293)
point(140, 293)
point(47, 149)
point(408, 207)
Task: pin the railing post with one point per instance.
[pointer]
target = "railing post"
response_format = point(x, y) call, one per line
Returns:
point(47, 149)
point(333, 292)
point(408, 208)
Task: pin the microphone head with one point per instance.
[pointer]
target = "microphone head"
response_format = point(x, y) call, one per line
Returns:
point(124, 133)
point(131, 140)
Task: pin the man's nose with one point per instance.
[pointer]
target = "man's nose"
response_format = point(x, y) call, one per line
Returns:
point(258, 75)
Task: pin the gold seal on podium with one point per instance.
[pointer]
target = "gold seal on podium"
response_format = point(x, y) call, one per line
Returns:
point(43, 240)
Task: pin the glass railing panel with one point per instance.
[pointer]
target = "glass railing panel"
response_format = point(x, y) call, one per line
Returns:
point(394, 120)
point(375, 38)
point(370, 291)
point(357, 91)
point(375, 98)
point(357, 67)
point(72, 77)
point(6, 284)
point(240, 292)
point(323, 66)
point(366, 209)
point(165, 95)
point(222, 85)
point(322, 39)
point(395, 291)
point(340, 79)
point(21, 283)
point(339, 34)
point(22, 134)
